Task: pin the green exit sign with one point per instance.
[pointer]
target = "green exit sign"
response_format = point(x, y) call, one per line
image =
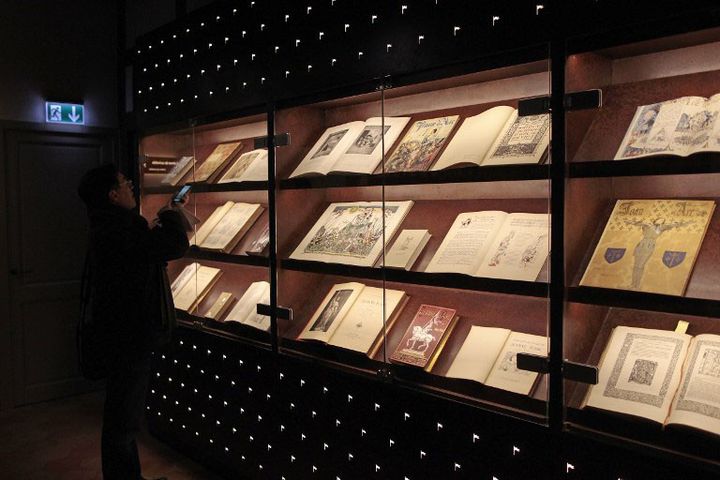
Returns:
point(72, 113)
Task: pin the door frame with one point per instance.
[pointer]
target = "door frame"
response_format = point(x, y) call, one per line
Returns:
point(9, 396)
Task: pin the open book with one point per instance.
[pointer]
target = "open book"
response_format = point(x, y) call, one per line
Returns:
point(250, 166)
point(489, 356)
point(192, 285)
point(352, 233)
point(681, 126)
point(425, 337)
point(660, 375)
point(226, 226)
point(351, 317)
point(406, 249)
point(649, 245)
point(495, 244)
point(497, 136)
point(420, 145)
point(216, 161)
point(178, 171)
point(245, 310)
point(351, 147)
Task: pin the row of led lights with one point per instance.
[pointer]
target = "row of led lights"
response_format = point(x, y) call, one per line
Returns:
point(297, 43)
point(374, 19)
point(262, 80)
point(308, 10)
point(422, 454)
point(313, 414)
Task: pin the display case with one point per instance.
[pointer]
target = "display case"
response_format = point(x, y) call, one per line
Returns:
point(226, 272)
point(641, 244)
point(384, 262)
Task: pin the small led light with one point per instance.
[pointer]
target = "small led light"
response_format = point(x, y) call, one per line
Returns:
point(538, 8)
point(495, 19)
point(297, 42)
point(373, 18)
point(402, 9)
point(347, 26)
point(321, 35)
point(277, 48)
point(455, 31)
point(287, 18)
point(309, 9)
point(309, 67)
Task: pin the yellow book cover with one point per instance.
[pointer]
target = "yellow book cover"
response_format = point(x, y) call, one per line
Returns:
point(649, 245)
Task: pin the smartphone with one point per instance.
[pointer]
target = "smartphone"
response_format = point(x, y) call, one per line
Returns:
point(181, 194)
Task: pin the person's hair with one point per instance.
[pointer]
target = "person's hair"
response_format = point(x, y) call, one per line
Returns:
point(96, 184)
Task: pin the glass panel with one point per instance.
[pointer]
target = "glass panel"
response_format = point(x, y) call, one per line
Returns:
point(472, 252)
point(641, 240)
point(464, 197)
point(219, 282)
point(329, 230)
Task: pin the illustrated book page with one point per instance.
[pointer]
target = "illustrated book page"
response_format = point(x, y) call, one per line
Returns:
point(466, 243)
point(216, 161)
point(505, 375)
point(478, 353)
point(639, 372)
point(519, 249)
point(232, 226)
point(334, 307)
point(471, 143)
point(352, 233)
point(328, 148)
point(649, 245)
point(187, 273)
point(365, 151)
point(183, 165)
point(407, 248)
point(361, 327)
point(250, 166)
point(245, 310)
point(425, 336)
point(195, 289)
point(697, 403)
point(681, 126)
point(421, 144)
point(525, 140)
point(208, 225)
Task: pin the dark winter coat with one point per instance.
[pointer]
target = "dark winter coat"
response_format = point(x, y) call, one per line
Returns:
point(127, 277)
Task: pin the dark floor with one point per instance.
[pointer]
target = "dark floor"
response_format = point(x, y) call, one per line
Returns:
point(60, 440)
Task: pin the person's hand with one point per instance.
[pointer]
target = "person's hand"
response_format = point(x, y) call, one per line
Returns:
point(181, 203)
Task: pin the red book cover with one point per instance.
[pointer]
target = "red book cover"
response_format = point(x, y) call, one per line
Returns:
point(425, 335)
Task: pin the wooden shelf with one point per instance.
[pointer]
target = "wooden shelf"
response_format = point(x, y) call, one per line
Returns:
point(708, 162)
point(455, 175)
point(444, 280)
point(644, 301)
point(254, 260)
point(210, 187)
point(233, 330)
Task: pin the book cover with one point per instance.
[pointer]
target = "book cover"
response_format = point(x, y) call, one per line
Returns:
point(649, 245)
point(420, 145)
point(423, 338)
